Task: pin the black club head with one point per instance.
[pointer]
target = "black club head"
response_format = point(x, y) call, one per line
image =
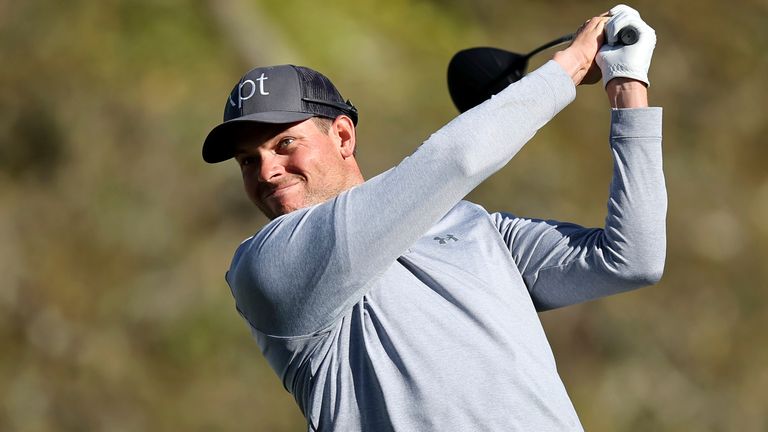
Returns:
point(476, 74)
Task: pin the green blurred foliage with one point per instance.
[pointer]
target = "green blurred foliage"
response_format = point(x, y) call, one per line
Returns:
point(114, 314)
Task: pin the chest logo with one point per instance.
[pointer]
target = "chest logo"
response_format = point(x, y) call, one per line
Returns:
point(444, 240)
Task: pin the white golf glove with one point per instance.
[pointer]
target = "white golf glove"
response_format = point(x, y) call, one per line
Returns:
point(627, 61)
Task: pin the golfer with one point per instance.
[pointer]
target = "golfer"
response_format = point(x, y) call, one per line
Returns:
point(390, 304)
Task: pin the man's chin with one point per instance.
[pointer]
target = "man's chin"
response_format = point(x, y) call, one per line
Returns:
point(278, 209)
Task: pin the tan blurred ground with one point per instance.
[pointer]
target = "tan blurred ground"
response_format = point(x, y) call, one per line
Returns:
point(114, 235)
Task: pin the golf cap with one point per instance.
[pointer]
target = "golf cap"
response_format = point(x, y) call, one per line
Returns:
point(275, 94)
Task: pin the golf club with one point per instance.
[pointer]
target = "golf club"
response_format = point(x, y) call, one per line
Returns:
point(476, 74)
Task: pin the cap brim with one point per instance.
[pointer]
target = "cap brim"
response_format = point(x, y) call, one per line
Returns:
point(219, 145)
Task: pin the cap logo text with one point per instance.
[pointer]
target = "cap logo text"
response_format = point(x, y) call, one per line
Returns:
point(261, 85)
point(243, 97)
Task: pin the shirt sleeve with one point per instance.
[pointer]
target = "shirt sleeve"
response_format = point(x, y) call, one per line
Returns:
point(564, 263)
point(304, 269)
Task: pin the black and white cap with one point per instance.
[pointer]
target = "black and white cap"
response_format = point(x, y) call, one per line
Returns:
point(275, 94)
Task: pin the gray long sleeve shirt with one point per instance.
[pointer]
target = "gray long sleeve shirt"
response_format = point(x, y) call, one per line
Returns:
point(397, 306)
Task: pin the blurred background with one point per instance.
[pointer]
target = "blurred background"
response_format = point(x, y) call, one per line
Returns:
point(114, 235)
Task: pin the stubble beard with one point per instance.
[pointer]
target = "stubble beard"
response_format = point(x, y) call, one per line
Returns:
point(311, 196)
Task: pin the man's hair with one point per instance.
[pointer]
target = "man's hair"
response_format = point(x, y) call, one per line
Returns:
point(323, 124)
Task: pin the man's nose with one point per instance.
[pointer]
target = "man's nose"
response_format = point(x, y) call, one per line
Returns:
point(271, 167)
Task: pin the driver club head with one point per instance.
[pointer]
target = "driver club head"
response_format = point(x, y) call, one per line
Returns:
point(476, 74)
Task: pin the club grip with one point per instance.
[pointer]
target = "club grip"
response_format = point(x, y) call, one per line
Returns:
point(628, 35)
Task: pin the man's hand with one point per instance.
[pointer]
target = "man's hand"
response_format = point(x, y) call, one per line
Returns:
point(626, 61)
point(625, 67)
point(578, 59)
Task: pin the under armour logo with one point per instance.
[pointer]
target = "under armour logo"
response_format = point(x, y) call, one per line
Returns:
point(445, 240)
point(251, 91)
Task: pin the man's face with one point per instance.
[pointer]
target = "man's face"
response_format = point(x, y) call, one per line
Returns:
point(286, 167)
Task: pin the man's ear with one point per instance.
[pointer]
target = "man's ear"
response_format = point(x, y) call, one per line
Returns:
point(343, 129)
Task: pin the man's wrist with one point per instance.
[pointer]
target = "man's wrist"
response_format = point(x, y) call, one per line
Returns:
point(572, 64)
point(627, 93)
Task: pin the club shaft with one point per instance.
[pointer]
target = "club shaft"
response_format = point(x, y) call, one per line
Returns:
point(558, 41)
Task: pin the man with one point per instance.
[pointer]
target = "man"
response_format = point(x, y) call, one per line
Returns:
point(391, 304)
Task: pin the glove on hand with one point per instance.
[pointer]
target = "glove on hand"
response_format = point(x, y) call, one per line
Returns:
point(628, 61)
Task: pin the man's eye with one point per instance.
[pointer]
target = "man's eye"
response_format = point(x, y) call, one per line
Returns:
point(285, 142)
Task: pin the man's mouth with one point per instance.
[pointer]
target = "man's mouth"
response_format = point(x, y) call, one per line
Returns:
point(278, 190)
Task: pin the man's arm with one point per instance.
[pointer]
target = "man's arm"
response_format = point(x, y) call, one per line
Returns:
point(564, 263)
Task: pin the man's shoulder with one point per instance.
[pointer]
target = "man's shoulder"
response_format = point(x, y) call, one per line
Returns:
point(253, 241)
point(464, 213)
point(275, 234)
point(468, 208)
point(266, 231)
